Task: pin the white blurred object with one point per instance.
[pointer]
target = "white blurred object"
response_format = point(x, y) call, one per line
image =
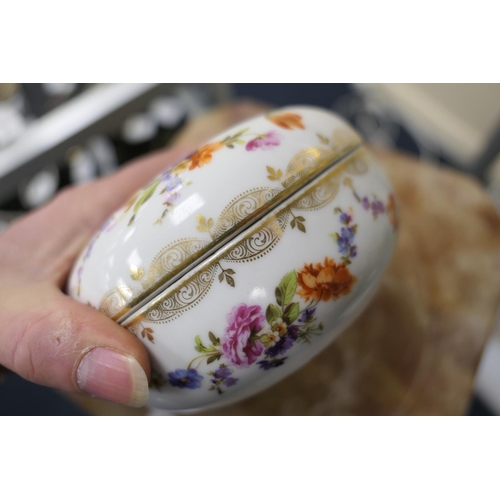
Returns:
point(40, 188)
point(139, 128)
point(104, 153)
point(82, 166)
point(167, 111)
point(59, 88)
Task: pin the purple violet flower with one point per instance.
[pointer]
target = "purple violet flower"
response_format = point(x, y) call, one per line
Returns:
point(230, 381)
point(307, 315)
point(284, 343)
point(378, 207)
point(222, 373)
point(345, 218)
point(267, 364)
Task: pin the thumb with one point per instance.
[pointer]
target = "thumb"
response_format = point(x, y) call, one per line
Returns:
point(70, 346)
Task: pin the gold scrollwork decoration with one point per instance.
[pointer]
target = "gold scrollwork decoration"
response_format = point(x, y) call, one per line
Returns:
point(186, 296)
point(114, 302)
point(242, 207)
point(259, 242)
point(250, 204)
point(171, 259)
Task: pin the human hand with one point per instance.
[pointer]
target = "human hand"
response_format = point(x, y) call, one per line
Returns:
point(47, 337)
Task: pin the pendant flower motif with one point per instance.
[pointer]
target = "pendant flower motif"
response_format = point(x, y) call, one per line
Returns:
point(325, 281)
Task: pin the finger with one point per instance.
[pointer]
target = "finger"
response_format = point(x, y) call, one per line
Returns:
point(59, 230)
point(65, 345)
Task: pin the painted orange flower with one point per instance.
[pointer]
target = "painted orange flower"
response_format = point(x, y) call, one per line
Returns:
point(204, 155)
point(286, 120)
point(325, 281)
point(391, 211)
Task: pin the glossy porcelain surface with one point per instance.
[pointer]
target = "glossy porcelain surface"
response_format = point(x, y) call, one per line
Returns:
point(238, 265)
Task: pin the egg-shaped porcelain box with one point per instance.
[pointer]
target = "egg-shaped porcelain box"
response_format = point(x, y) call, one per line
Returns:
point(239, 264)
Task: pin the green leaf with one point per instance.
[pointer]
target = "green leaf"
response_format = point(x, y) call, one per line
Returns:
point(292, 224)
point(301, 227)
point(213, 338)
point(213, 358)
point(279, 296)
point(240, 141)
point(148, 192)
point(229, 280)
point(240, 132)
point(198, 348)
point(272, 313)
point(291, 313)
point(197, 339)
point(230, 146)
point(300, 219)
point(229, 271)
point(288, 287)
point(221, 276)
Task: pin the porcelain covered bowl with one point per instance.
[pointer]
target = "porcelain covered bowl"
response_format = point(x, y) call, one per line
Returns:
point(240, 263)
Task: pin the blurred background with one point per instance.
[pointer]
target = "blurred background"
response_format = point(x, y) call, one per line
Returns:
point(57, 134)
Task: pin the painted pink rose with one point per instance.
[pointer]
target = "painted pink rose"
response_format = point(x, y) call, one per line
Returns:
point(265, 142)
point(237, 343)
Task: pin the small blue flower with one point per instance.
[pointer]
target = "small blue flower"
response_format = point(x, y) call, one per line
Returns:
point(171, 180)
point(222, 373)
point(267, 364)
point(347, 233)
point(344, 246)
point(185, 379)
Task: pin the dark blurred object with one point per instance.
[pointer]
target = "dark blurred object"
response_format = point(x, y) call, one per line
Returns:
point(18, 397)
point(478, 408)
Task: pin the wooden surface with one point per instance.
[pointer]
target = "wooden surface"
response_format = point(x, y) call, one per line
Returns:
point(416, 348)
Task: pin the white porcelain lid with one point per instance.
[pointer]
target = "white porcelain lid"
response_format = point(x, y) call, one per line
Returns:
point(195, 207)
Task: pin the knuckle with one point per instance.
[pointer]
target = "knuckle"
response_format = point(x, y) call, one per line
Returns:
point(40, 344)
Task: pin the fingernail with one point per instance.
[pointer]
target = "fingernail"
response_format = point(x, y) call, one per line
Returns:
point(107, 374)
